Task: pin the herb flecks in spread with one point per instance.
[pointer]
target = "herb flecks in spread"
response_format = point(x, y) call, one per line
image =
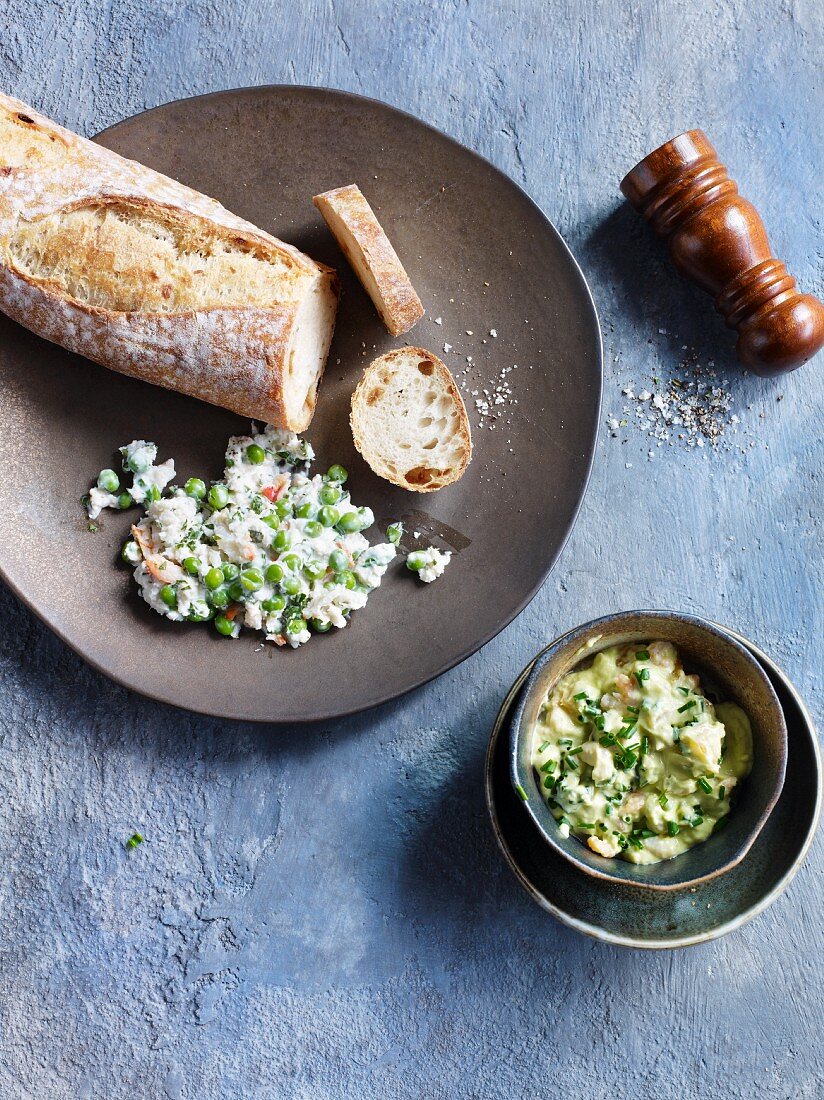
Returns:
point(268, 547)
point(633, 759)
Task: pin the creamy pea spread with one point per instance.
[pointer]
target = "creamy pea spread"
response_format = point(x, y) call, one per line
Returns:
point(267, 546)
point(429, 563)
point(632, 757)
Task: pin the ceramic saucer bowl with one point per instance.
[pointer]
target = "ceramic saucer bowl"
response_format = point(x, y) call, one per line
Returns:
point(619, 914)
point(728, 671)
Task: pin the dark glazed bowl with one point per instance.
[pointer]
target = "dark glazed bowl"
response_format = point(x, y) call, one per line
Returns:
point(728, 672)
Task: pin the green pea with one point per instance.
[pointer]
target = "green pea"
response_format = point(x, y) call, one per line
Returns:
point(305, 510)
point(236, 591)
point(192, 566)
point(229, 570)
point(337, 473)
point(125, 501)
point(347, 578)
point(224, 626)
point(291, 585)
point(274, 603)
point(338, 560)
point(219, 598)
point(251, 579)
point(271, 521)
point(108, 481)
point(169, 596)
point(195, 488)
point(213, 579)
point(283, 508)
point(255, 454)
point(416, 561)
point(313, 529)
point(200, 617)
point(314, 570)
point(274, 573)
point(350, 522)
point(218, 497)
point(320, 627)
point(291, 561)
point(328, 516)
point(131, 552)
point(281, 540)
point(330, 494)
point(296, 625)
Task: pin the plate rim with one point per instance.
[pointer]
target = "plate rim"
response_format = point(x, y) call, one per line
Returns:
point(465, 652)
point(601, 934)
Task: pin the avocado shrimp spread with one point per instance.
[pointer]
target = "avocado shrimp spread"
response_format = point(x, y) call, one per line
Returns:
point(632, 757)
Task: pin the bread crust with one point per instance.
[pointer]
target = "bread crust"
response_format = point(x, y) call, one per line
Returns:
point(370, 449)
point(347, 212)
point(234, 355)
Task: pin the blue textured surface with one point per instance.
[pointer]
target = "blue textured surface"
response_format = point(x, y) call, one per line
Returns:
point(322, 913)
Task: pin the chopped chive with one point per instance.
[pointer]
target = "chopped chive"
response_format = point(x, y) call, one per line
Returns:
point(684, 691)
point(663, 801)
point(607, 739)
point(644, 834)
point(673, 828)
point(544, 747)
point(696, 821)
point(585, 825)
point(564, 820)
point(134, 840)
point(722, 793)
point(574, 752)
point(721, 822)
point(548, 766)
point(580, 695)
point(565, 741)
point(632, 710)
point(642, 655)
point(635, 842)
point(705, 785)
point(641, 675)
point(572, 765)
point(644, 745)
point(522, 792)
point(686, 706)
point(548, 782)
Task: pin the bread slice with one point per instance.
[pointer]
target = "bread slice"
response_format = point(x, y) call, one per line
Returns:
point(132, 269)
point(409, 421)
point(375, 261)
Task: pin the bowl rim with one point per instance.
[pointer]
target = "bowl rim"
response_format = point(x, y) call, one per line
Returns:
point(581, 634)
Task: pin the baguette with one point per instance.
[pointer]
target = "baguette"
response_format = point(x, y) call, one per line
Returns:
point(150, 278)
point(375, 262)
point(409, 421)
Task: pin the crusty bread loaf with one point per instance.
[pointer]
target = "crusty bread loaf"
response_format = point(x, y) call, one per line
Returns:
point(375, 261)
point(132, 269)
point(409, 421)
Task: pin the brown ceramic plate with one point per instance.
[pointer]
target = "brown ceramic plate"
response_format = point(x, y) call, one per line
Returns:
point(481, 255)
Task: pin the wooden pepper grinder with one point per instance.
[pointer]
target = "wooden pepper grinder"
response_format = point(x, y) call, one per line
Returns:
point(717, 239)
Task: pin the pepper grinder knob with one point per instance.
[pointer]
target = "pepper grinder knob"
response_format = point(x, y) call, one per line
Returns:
point(717, 239)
